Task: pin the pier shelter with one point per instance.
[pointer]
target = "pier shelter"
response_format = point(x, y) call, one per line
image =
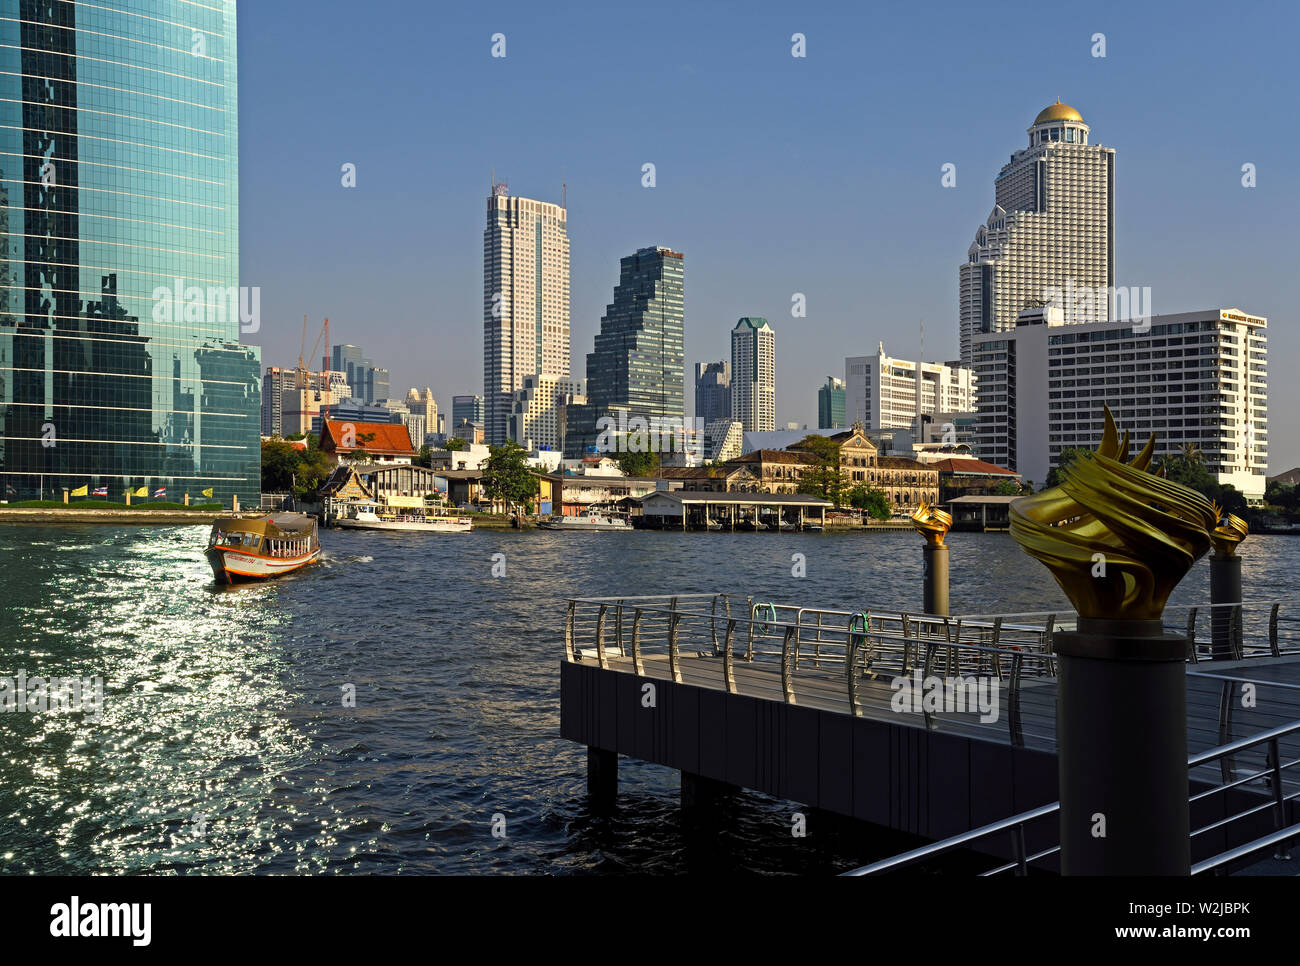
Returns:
point(684, 510)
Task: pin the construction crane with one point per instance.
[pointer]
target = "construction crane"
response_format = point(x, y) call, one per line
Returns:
point(303, 373)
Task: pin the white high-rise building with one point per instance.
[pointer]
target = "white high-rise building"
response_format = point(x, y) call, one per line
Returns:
point(1195, 379)
point(753, 374)
point(525, 301)
point(883, 392)
point(1052, 226)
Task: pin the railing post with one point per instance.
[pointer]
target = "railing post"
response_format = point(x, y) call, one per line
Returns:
point(618, 628)
point(674, 666)
point(1013, 702)
point(600, 637)
point(749, 646)
point(1272, 631)
point(569, 644)
point(1279, 801)
point(728, 670)
point(787, 669)
point(637, 665)
point(1191, 636)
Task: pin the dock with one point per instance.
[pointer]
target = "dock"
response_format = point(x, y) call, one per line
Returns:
point(804, 704)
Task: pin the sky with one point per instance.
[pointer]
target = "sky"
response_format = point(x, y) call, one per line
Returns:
point(774, 174)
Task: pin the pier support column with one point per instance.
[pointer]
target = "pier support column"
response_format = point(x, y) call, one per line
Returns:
point(701, 795)
point(602, 779)
point(1225, 588)
point(936, 580)
point(1121, 725)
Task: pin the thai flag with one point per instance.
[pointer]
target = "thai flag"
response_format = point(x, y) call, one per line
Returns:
point(161, 491)
point(99, 491)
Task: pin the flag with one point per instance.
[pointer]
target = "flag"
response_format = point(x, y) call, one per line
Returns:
point(208, 491)
point(161, 491)
point(82, 490)
point(143, 491)
point(99, 491)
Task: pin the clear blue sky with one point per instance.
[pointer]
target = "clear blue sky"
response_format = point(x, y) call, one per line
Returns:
point(775, 175)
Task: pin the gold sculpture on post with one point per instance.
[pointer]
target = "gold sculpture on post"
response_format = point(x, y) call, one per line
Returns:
point(1229, 532)
point(1116, 537)
point(932, 523)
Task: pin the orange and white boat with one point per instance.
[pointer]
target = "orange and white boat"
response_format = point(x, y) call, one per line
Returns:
point(256, 548)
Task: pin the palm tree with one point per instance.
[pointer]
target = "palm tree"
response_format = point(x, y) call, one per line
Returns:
point(1192, 453)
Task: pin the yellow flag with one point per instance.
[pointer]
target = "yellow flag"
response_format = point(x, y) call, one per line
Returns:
point(82, 490)
point(143, 491)
point(208, 491)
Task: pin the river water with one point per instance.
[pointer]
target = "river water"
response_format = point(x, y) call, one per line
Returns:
point(224, 746)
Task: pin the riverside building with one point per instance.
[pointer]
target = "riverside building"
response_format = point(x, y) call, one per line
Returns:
point(1194, 379)
point(885, 392)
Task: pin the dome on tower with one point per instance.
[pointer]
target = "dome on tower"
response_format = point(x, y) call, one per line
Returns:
point(1058, 112)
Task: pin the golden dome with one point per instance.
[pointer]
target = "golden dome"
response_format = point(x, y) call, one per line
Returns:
point(1058, 112)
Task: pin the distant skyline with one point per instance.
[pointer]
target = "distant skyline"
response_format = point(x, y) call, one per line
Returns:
point(774, 175)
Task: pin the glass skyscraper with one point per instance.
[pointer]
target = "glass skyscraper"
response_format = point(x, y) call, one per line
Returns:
point(638, 366)
point(120, 307)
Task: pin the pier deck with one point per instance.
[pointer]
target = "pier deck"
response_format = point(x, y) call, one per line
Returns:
point(800, 703)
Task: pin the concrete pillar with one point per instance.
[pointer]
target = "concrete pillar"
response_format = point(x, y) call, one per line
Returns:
point(602, 779)
point(187, 499)
point(128, 496)
point(1225, 588)
point(234, 502)
point(701, 796)
point(65, 495)
point(935, 599)
point(1121, 725)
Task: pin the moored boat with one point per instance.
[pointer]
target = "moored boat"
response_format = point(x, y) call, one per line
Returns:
point(590, 518)
point(404, 514)
point(242, 548)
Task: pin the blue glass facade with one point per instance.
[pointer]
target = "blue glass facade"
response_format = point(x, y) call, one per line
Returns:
point(120, 311)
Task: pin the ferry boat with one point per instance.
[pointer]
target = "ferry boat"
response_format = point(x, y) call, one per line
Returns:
point(244, 548)
point(402, 513)
point(590, 518)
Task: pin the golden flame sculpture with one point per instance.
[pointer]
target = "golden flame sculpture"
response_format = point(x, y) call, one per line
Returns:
point(1116, 537)
point(932, 523)
point(1231, 530)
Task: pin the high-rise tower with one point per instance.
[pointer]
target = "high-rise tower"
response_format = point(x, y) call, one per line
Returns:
point(525, 301)
point(753, 374)
point(1052, 227)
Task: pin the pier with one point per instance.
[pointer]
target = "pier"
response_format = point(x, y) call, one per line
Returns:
point(805, 704)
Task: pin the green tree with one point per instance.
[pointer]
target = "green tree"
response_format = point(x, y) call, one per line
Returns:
point(506, 476)
point(873, 501)
point(1007, 488)
point(424, 458)
point(1068, 455)
point(453, 444)
point(823, 477)
point(638, 464)
point(279, 461)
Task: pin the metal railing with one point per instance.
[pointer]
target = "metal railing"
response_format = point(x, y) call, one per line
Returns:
point(1270, 776)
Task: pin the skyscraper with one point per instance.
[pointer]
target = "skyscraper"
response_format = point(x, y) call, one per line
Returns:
point(525, 301)
point(753, 374)
point(638, 367)
point(369, 382)
point(830, 404)
point(1052, 225)
point(466, 409)
point(426, 405)
point(712, 391)
point(120, 307)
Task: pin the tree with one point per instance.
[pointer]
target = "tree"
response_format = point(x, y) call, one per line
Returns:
point(506, 476)
point(279, 461)
point(873, 501)
point(638, 464)
point(1055, 475)
point(453, 444)
point(824, 477)
point(1007, 488)
point(424, 458)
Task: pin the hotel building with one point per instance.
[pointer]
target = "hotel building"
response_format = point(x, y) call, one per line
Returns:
point(753, 374)
point(1197, 378)
point(1053, 222)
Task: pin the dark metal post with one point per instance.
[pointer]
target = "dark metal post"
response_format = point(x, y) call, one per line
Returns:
point(1225, 588)
point(1122, 749)
point(936, 579)
point(602, 779)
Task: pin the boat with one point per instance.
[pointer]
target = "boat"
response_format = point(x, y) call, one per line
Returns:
point(409, 514)
point(589, 518)
point(242, 548)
